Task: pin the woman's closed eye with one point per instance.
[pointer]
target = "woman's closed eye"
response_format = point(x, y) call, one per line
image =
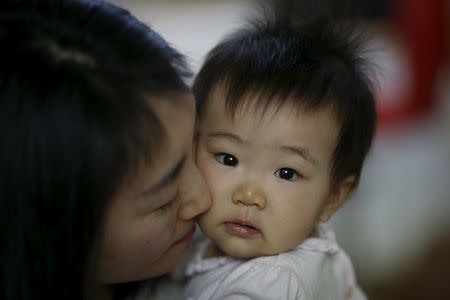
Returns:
point(227, 159)
point(167, 206)
point(287, 174)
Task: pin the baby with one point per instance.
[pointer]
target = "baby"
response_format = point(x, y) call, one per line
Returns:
point(286, 119)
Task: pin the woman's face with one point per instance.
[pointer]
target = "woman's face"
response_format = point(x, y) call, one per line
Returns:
point(151, 221)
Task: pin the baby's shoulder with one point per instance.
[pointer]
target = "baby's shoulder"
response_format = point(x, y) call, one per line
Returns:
point(314, 258)
point(296, 261)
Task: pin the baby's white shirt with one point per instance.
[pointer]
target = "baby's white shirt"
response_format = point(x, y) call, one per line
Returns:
point(317, 269)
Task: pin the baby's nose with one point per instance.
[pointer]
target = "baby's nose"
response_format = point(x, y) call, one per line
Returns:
point(249, 195)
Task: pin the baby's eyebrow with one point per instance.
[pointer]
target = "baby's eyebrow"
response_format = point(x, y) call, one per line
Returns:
point(297, 150)
point(228, 135)
point(301, 151)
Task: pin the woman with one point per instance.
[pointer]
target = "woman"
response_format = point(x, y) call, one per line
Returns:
point(97, 182)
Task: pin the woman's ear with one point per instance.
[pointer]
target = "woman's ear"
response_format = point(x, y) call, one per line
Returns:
point(337, 197)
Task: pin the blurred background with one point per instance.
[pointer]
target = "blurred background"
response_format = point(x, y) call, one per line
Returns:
point(396, 226)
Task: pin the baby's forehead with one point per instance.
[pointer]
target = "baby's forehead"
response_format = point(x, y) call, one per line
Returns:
point(258, 103)
point(271, 129)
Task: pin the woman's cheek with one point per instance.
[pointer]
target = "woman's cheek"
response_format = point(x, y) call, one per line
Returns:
point(163, 230)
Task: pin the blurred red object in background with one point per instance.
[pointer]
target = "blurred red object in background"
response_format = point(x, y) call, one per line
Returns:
point(421, 30)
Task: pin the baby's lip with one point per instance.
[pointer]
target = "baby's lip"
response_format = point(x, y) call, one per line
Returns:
point(241, 228)
point(242, 222)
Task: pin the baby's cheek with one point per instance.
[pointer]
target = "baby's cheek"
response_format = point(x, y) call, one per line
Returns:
point(209, 177)
point(206, 166)
point(204, 224)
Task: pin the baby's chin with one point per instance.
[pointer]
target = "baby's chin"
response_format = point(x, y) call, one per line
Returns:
point(218, 249)
point(221, 245)
point(242, 254)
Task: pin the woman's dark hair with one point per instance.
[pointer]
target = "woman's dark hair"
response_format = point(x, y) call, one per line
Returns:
point(75, 81)
point(312, 65)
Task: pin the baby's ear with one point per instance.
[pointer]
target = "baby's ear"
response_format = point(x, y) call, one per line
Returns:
point(337, 197)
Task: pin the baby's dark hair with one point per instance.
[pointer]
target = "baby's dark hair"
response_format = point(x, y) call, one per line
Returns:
point(311, 66)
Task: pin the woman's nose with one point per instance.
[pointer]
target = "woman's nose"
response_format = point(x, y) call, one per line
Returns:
point(194, 194)
point(249, 195)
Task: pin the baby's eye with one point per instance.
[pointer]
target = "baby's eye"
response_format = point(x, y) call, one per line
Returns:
point(227, 159)
point(287, 174)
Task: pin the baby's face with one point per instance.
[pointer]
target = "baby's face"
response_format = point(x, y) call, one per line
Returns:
point(269, 176)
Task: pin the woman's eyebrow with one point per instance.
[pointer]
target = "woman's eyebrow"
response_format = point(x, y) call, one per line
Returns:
point(168, 178)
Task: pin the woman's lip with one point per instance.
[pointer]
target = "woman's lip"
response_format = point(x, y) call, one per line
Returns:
point(188, 237)
point(241, 229)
